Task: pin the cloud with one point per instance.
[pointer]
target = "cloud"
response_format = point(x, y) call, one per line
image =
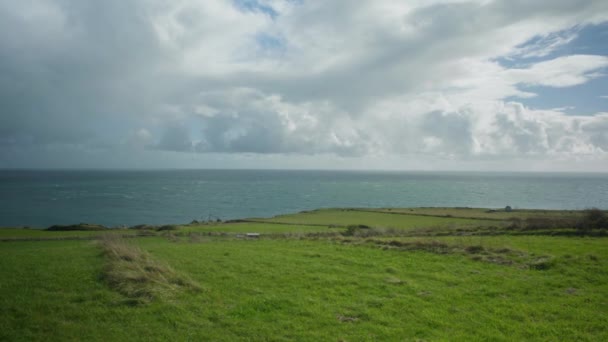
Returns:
point(561, 72)
point(175, 137)
point(139, 139)
point(492, 130)
point(379, 79)
point(597, 131)
point(544, 45)
point(247, 120)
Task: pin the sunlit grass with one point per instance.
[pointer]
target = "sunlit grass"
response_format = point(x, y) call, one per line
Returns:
point(292, 285)
point(344, 217)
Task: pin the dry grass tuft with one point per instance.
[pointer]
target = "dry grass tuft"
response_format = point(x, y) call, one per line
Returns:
point(135, 274)
point(501, 256)
point(342, 318)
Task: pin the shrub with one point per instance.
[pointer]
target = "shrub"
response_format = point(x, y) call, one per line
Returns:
point(534, 223)
point(143, 227)
point(353, 229)
point(167, 227)
point(515, 223)
point(80, 226)
point(594, 218)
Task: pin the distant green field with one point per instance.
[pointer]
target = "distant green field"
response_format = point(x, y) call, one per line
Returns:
point(551, 245)
point(21, 233)
point(335, 287)
point(481, 213)
point(346, 217)
point(254, 227)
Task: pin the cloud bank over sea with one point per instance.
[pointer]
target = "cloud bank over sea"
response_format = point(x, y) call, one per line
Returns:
point(444, 85)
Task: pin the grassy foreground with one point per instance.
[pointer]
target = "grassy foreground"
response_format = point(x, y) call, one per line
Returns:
point(327, 275)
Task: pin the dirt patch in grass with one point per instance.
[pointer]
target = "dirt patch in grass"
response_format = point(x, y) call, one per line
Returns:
point(137, 275)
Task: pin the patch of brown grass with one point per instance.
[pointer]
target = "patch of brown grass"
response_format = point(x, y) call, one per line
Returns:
point(137, 275)
point(500, 256)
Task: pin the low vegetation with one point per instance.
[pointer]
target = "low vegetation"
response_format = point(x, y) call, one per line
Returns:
point(137, 275)
point(593, 219)
point(473, 250)
point(587, 222)
point(77, 227)
point(325, 275)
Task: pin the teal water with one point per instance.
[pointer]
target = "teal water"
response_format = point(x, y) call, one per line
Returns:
point(43, 198)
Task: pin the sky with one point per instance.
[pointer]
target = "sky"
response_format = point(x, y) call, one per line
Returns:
point(487, 85)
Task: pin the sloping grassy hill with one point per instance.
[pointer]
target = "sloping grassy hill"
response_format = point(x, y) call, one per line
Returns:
point(202, 282)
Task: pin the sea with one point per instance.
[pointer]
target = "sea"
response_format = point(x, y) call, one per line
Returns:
point(115, 198)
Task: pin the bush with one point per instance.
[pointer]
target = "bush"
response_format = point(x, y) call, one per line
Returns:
point(354, 228)
point(167, 227)
point(533, 223)
point(594, 218)
point(143, 227)
point(539, 223)
point(515, 223)
point(77, 227)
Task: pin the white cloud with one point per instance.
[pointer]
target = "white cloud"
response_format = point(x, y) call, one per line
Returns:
point(545, 45)
point(561, 72)
point(374, 79)
point(493, 129)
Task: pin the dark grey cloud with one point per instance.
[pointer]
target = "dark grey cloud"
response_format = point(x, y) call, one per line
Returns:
point(247, 132)
point(67, 77)
point(175, 137)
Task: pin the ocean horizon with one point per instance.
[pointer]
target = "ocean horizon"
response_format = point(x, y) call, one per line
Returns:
point(124, 197)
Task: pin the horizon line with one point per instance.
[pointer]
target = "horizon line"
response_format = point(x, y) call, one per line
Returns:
point(4, 169)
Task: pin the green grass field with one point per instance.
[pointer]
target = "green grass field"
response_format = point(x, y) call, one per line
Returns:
point(344, 217)
point(202, 282)
point(480, 213)
point(254, 227)
point(22, 233)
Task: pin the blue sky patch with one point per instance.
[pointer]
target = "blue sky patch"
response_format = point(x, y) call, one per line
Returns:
point(585, 99)
point(270, 43)
point(255, 6)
